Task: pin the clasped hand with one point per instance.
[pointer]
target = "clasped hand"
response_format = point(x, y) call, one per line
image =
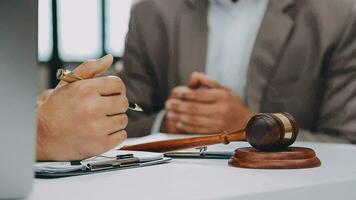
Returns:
point(204, 107)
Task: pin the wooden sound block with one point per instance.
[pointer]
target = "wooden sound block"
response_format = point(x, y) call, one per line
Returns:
point(290, 158)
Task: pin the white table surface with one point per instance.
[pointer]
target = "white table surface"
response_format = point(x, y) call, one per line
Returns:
point(213, 179)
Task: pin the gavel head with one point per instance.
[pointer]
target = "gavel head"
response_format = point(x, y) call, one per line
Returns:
point(271, 131)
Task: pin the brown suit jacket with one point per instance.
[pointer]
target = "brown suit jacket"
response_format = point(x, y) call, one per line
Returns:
point(303, 62)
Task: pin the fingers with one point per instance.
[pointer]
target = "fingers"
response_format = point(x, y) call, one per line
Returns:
point(189, 107)
point(115, 123)
point(194, 81)
point(199, 95)
point(188, 123)
point(108, 85)
point(107, 125)
point(194, 120)
point(104, 134)
point(199, 79)
point(114, 105)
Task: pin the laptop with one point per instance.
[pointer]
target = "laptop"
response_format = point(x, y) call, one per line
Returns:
point(18, 87)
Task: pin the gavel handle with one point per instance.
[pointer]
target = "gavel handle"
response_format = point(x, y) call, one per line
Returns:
point(184, 143)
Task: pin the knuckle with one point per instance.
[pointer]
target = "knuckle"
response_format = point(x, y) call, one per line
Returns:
point(118, 81)
point(123, 88)
point(168, 102)
point(120, 122)
point(123, 135)
point(124, 120)
point(125, 103)
point(177, 89)
point(174, 90)
point(173, 104)
point(179, 92)
point(173, 93)
point(187, 95)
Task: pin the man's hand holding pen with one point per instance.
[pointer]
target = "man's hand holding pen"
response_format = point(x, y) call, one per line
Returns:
point(204, 107)
point(85, 118)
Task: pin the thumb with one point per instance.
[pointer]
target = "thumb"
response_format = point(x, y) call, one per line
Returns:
point(199, 79)
point(91, 68)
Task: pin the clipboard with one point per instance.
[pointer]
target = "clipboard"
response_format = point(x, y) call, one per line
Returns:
point(110, 161)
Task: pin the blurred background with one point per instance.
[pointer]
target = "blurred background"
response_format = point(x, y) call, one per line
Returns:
point(70, 32)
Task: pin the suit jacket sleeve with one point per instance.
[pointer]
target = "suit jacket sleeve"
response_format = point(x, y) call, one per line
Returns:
point(337, 119)
point(139, 77)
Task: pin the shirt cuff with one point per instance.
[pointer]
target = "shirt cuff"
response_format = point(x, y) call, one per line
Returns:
point(157, 123)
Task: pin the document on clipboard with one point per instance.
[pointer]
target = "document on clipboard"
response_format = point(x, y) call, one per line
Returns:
point(110, 161)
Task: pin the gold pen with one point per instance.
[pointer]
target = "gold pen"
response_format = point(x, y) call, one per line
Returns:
point(69, 77)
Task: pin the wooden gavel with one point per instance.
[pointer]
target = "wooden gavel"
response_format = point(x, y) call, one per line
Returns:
point(266, 132)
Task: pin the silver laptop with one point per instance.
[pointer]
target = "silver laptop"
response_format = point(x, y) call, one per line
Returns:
point(18, 83)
